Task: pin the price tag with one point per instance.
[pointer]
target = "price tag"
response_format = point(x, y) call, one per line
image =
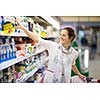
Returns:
point(43, 34)
point(8, 28)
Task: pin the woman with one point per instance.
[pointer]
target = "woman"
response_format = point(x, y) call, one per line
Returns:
point(61, 56)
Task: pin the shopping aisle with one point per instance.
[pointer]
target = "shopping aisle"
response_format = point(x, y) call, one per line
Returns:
point(94, 68)
point(21, 60)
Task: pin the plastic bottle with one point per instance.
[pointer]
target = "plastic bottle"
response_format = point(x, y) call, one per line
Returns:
point(1, 53)
point(4, 53)
point(30, 24)
point(1, 22)
point(7, 48)
point(13, 47)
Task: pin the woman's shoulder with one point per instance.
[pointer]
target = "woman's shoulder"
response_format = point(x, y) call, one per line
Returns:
point(74, 50)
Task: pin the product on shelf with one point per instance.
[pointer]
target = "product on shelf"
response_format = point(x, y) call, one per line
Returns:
point(1, 74)
point(30, 24)
point(38, 76)
point(8, 49)
point(7, 75)
point(8, 28)
point(15, 68)
point(43, 34)
point(1, 22)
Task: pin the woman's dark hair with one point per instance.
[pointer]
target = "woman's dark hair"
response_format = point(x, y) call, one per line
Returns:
point(71, 33)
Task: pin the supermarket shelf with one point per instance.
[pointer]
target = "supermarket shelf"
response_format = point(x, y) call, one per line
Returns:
point(40, 50)
point(26, 76)
point(14, 34)
point(9, 63)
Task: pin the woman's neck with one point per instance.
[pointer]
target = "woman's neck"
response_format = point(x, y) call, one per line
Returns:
point(66, 46)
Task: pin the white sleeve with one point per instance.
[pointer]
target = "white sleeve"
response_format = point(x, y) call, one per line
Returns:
point(47, 44)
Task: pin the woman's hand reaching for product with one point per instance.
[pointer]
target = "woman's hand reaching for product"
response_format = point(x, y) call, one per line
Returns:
point(19, 24)
point(32, 35)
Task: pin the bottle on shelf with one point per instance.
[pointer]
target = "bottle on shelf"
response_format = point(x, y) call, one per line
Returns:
point(1, 23)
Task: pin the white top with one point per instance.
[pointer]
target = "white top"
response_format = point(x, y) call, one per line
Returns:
point(59, 59)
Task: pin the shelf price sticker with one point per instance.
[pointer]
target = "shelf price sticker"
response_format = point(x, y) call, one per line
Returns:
point(43, 34)
point(8, 28)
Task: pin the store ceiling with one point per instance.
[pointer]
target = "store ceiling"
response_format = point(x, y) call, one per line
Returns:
point(63, 19)
point(40, 21)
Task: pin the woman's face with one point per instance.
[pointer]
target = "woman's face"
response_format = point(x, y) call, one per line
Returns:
point(64, 39)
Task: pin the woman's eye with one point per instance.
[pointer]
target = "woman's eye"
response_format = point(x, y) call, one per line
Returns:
point(64, 35)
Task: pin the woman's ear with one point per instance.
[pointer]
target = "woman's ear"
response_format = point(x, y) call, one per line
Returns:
point(71, 39)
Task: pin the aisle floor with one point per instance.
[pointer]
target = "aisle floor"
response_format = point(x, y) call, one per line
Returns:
point(94, 68)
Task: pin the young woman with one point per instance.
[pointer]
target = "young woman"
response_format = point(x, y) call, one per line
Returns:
point(61, 55)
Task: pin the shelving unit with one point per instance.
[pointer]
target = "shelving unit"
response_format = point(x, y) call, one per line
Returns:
point(16, 60)
point(15, 34)
point(7, 65)
point(26, 76)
